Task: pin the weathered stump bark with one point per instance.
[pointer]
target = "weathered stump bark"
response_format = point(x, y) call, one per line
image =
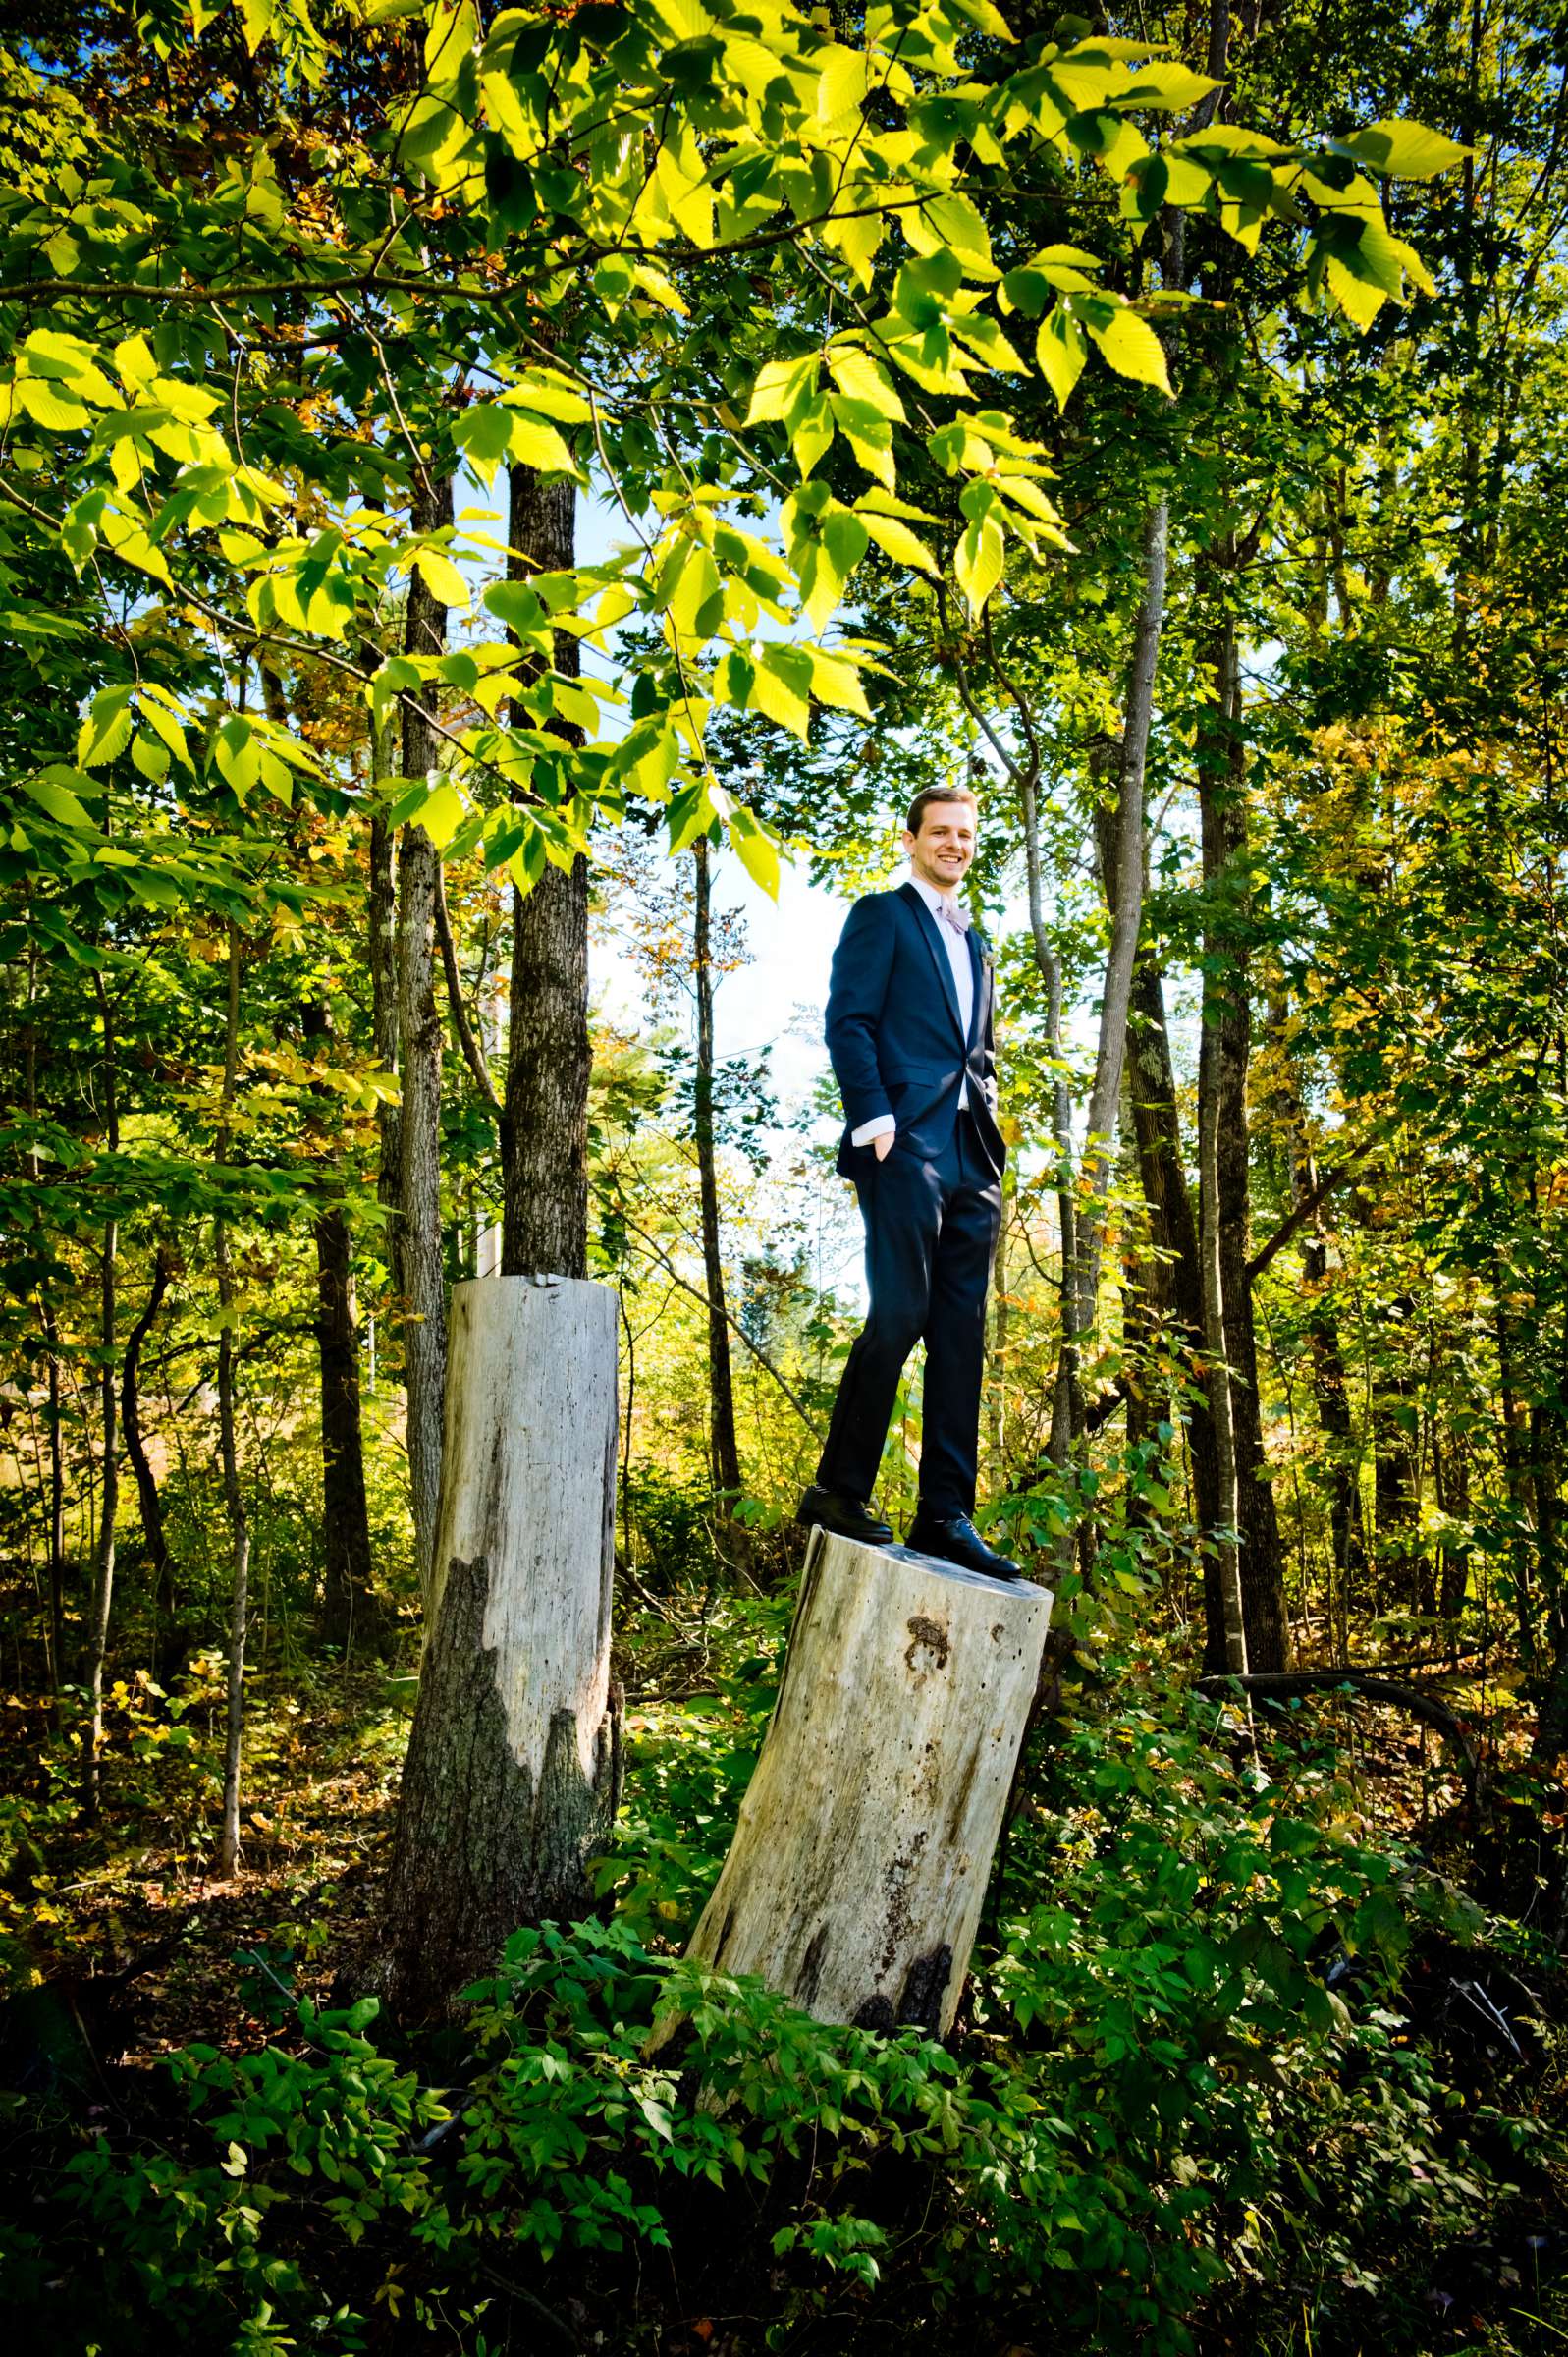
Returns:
point(855, 1879)
point(510, 1783)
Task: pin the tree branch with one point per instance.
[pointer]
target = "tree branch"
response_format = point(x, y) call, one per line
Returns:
point(697, 1294)
point(1303, 1211)
point(473, 1054)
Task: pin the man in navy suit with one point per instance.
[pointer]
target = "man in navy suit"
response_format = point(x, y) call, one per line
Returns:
point(910, 1034)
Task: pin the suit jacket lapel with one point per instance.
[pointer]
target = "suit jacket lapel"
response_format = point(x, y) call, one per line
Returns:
point(938, 957)
point(980, 964)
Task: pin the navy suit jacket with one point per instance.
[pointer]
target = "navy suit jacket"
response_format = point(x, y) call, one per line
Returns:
point(894, 1035)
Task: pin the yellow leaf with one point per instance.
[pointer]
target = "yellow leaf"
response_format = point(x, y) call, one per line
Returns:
point(441, 579)
point(1131, 347)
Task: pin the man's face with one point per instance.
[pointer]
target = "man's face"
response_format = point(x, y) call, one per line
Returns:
point(942, 852)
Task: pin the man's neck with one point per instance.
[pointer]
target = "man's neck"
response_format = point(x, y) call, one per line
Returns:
point(944, 892)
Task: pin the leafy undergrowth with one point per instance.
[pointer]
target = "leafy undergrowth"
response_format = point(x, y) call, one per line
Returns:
point(1240, 2068)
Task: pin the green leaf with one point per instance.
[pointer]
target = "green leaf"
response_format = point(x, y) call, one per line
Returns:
point(777, 388)
point(952, 225)
point(836, 680)
point(53, 407)
point(441, 577)
point(779, 695)
point(56, 801)
point(236, 753)
point(1061, 348)
point(759, 853)
point(811, 433)
point(106, 731)
point(443, 813)
point(1131, 347)
point(861, 379)
point(895, 541)
point(71, 362)
point(535, 444)
point(1405, 150)
point(978, 561)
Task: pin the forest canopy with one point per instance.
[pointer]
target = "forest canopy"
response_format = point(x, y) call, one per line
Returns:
point(491, 500)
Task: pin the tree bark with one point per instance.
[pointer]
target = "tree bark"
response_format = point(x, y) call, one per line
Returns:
point(109, 1494)
point(155, 1538)
point(1228, 1031)
point(422, 1270)
point(725, 1452)
point(351, 1609)
point(1222, 1391)
point(858, 1869)
point(510, 1782)
point(381, 960)
point(1176, 1284)
point(544, 1127)
point(1330, 1388)
point(234, 1496)
point(1115, 1000)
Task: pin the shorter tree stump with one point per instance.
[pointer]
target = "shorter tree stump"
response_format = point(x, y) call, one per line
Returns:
point(859, 1865)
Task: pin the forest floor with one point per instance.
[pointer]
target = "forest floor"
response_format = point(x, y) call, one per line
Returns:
point(121, 1943)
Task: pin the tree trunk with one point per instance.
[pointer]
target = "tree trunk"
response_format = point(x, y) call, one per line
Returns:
point(350, 1609)
point(382, 962)
point(510, 1782)
point(421, 1267)
point(725, 1452)
point(1176, 1263)
point(1330, 1389)
point(1104, 1096)
point(155, 1538)
point(57, 1511)
point(234, 1497)
point(544, 1128)
point(1227, 1029)
point(109, 1499)
point(1222, 1391)
point(108, 1512)
point(855, 1879)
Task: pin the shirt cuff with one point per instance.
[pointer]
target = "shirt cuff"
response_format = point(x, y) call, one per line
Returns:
point(883, 1127)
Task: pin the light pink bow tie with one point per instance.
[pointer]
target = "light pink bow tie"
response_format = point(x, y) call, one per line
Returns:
point(955, 913)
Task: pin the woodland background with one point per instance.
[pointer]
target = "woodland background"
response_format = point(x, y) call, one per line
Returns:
point(324, 334)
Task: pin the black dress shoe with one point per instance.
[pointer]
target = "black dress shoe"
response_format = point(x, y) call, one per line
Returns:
point(845, 1518)
point(954, 1539)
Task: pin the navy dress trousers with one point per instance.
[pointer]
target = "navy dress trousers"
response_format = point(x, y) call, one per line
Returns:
point(932, 1206)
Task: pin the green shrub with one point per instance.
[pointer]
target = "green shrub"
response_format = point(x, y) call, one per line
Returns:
point(1189, 2080)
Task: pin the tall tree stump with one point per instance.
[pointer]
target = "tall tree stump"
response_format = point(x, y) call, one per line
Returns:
point(859, 1865)
point(510, 1783)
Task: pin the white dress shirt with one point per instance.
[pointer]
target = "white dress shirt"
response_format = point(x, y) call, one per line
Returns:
point(957, 946)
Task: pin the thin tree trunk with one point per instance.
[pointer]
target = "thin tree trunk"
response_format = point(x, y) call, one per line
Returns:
point(1227, 1029)
point(422, 1265)
point(721, 1381)
point(1116, 1001)
point(1330, 1387)
point(350, 1612)
point(109, 1501)
point(382, 959)
point(350, 1609)
point(1226, 1553)
point(57, 1511)
point(154, 1537)
point(1176, 1267)
point(544, 1128)
point(1065, 1412)
point(234, 1499)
